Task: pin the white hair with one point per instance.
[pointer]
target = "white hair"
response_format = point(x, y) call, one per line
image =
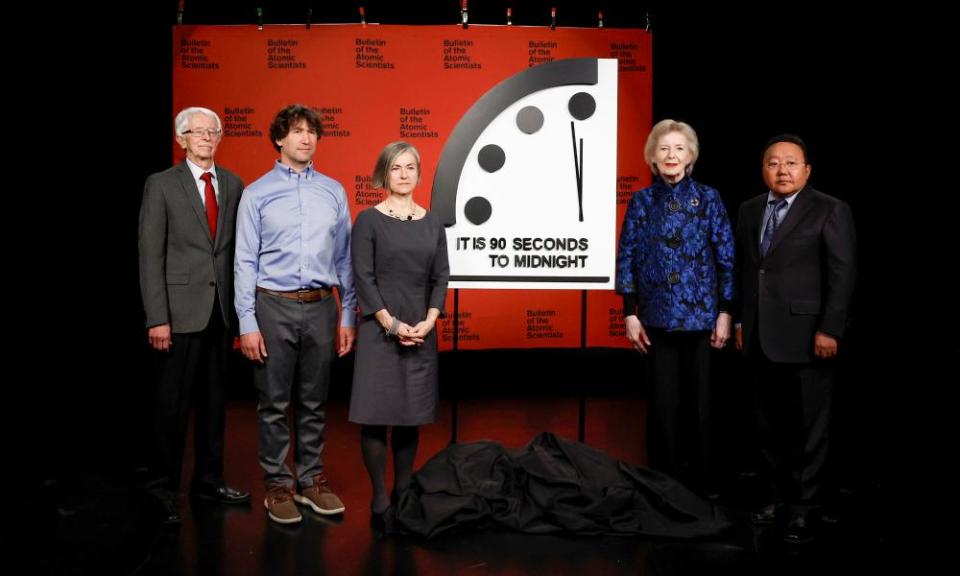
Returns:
point(661, 129)
point(182, 122)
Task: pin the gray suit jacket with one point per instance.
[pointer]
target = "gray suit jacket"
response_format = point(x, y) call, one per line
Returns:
point(803, 284)
point(181, 268)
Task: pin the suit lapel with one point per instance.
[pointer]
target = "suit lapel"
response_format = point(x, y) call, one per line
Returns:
point(193, 197)
point(225, 201)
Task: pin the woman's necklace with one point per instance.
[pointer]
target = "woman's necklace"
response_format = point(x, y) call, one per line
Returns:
point(400, 216)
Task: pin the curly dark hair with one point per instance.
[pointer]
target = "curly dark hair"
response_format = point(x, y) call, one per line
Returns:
point(290, 117)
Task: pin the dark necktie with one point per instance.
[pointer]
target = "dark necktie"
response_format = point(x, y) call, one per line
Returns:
point(210, 199)
point(772, 224)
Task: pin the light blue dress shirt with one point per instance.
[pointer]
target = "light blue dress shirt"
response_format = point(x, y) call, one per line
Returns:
point(781, 214)
point(293, 233)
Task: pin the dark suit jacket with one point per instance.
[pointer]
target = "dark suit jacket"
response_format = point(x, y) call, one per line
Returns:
point(803, 284)
point(181, 267)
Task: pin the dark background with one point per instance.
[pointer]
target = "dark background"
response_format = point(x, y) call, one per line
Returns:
point(852, 84)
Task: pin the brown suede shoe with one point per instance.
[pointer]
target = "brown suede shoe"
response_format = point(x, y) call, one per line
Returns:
point(280, 506)
point(320, 498)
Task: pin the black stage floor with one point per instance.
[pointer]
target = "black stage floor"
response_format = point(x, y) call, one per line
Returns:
point(104, 523)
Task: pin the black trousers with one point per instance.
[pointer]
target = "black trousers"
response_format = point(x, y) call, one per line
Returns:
point(793, 405)
point(193, 372)
point(680, 438)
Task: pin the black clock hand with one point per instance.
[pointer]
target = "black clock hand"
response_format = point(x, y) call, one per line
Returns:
point(578, 167)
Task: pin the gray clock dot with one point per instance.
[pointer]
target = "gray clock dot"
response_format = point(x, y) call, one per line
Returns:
point(529, 119)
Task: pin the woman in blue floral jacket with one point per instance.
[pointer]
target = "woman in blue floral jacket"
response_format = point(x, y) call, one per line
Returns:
point(675, 272)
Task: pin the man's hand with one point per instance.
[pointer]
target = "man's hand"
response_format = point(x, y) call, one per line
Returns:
point(824, 345)
point(252, 346)
point(159, 337)
point(348, 335)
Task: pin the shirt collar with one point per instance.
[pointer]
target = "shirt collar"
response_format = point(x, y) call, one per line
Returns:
point(771, 197)
point(289, 173)
point(198, 171)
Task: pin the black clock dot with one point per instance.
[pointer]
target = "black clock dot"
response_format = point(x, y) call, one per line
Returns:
point(478, 210)
point(491, 157)
point(529, 119)
point(582, 105)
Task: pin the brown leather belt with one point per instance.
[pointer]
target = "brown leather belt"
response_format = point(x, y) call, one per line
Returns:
point(299, 295)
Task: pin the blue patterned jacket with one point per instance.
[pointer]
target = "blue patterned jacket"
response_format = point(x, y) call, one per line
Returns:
point(676, 256)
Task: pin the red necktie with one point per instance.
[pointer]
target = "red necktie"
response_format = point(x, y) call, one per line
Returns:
point(210, 199)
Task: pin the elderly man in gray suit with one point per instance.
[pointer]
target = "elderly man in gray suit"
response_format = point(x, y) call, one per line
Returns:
point(187, 225)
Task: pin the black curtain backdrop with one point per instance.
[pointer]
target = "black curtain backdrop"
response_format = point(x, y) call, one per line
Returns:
point(846, 82)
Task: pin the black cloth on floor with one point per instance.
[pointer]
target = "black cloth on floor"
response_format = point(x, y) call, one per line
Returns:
point(551, 485)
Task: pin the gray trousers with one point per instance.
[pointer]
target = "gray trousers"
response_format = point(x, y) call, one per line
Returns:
point(300, 347)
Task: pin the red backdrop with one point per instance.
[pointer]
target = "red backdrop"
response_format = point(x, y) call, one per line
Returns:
point(368, 81)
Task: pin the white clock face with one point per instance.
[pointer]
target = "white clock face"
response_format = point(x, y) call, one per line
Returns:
point(535, 202)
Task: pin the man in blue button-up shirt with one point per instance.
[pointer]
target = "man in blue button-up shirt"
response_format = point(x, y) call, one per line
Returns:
point(293, 246)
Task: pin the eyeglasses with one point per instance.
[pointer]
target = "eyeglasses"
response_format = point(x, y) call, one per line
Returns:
point(211, 133)
point(790, 165)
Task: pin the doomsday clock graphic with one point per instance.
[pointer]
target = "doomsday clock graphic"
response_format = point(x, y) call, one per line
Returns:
point(526, 184)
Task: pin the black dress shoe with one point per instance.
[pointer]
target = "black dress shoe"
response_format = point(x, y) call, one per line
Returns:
point(710, 493)
point(169, 514)
point(798, 530)
point(830, 517)
point(747, 474)
point(223, 495)
point(766, 515)
point(171, 517)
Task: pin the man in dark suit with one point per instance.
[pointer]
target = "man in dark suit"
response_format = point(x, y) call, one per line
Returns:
point(795, 271)
point(187, 226)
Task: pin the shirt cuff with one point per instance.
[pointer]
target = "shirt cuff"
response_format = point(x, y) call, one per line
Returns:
point(249, 324)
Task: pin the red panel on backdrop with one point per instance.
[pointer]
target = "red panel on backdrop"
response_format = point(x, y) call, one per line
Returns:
point(376, 84)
